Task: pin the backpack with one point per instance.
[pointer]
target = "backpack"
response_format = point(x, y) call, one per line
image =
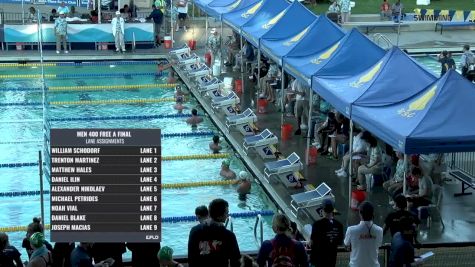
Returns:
point(282, 256)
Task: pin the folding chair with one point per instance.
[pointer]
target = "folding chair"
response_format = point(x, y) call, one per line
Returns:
point(432, 210)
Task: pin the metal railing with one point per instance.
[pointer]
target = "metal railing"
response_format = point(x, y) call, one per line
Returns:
point(377, 37)
point(259, 239)
point(229, 222)
point(464, 161)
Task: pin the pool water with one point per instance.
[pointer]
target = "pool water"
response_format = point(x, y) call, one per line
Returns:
point(432, 64)
point(18, 211)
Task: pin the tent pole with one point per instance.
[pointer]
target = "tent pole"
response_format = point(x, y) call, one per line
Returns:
point(22, 11)
point(405, 173)
point(282, 88)
point(99, 13)
point(242, 59)
point(308, 126)
point(258, 71)
point(172, 27)
point(221, 48)
point(350, 167)
point(206, 31)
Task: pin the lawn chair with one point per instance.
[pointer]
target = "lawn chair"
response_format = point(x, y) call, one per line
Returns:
point(265, 138)
point(224, 101)
point(247, 116)
point(310, 198)
point(432, 210)
point(290, 164)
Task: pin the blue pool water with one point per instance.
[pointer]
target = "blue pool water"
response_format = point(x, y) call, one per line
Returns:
point(175, 202)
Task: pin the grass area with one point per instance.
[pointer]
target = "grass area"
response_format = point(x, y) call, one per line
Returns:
point(372, 6)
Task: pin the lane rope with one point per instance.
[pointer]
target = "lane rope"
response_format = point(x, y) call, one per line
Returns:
point(102, 87)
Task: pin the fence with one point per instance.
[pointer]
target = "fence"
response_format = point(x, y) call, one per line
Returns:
point(463, 161)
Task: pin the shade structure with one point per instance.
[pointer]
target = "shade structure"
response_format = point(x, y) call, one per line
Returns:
point(320, 37)
point(391, 79)
point(287, 32)
point(439, 119)
point(271, 12)
point(242, 14)
point(217, 8)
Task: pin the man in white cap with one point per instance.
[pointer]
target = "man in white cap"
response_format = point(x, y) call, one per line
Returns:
point(61, 32)
point(118, 25)
point(244, 186)
point(214, 44)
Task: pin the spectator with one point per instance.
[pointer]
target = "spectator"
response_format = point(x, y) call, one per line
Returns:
point(295, 233)
point(282, 249)
point(144, 254)
point(341, 135)
point(165, 257)
point(402, 250)
point(259, 76)
point(34, 227)
point(327, 235)
point(72, 13)
point(333, 8)
point(272, 76)
point(63, 8)
point(246, 54)
point(423, 196)
point(301, 103)
point(80, 257)
point(375, 165)
point(9, 255)
point(396, 11)
point(248, 261)
point(195, 119)
point(53, 15)
point(157, 17)
point(432, 165)
point(104, 251)
point(244, 186)
point(212, 242)
point(345, 10)
point(127, 12)
point(62, 254)
point(385, 10)
point(214, 44)
point(32, 15)
point(467, 63)
point(233, 46)
point(446, 63)
point(41, 256)
point(322, 132)
point(61, 31)
point(118, 27)
point(360, 151)
point(182, 8)
point(226, 172)
point(214, 146)
point(202, 214)
point(396, 183)
point(364, 239)
point(394, 219)
point(289, 102)
point(94, 16)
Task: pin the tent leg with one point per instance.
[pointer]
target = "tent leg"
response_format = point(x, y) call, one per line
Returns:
point(221, 48)
point(258, 71)
point(206, 32)
point(282, 88)
point(350, 165)
point(310, 108)
point(242, 61)
point(172, 27)
point(405, 172)
point(99, 13)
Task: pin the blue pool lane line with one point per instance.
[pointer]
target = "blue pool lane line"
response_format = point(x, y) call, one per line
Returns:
point(137, 117)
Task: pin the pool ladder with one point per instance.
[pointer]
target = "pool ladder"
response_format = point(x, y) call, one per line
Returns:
point(259, 223)
point(229, 222)
point(377, 37)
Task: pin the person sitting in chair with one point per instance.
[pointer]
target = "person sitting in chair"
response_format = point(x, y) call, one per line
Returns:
point(396, 10)
point(385, 10)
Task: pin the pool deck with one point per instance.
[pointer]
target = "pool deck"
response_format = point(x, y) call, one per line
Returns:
point(458, 213)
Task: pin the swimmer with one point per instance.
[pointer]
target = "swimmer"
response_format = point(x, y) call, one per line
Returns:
point(179, 104)
point(244, 186)
point(171, 77)
point(226, 172)
point(194, 120)
point(214, 146)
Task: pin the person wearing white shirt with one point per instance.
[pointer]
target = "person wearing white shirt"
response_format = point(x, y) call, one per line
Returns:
point(364, 239)
point(360, 151)
point(118, 24)
point(301, 103)
point(182, 8)
point(63, 8)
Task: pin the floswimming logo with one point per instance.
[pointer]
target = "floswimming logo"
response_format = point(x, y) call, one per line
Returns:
point(296, 38)
point(367, 77)
point(233, 6)
point(419, 104)
point(325, 55)
point(273, 21)
point(251, 10)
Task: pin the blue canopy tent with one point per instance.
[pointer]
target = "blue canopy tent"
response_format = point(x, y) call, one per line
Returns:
point(321, 35)
point(269, 14)
point(434, 121)
point(286, 33)
point(202, 3)
point(217, 8)
point(391, 79)
point(242, 14)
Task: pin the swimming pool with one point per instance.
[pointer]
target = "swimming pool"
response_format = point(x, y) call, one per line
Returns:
point(18, 211)
point(430, 61)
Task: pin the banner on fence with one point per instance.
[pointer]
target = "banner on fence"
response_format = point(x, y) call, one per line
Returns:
point(80, 33)
point(444, 15)
point(81, 3)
